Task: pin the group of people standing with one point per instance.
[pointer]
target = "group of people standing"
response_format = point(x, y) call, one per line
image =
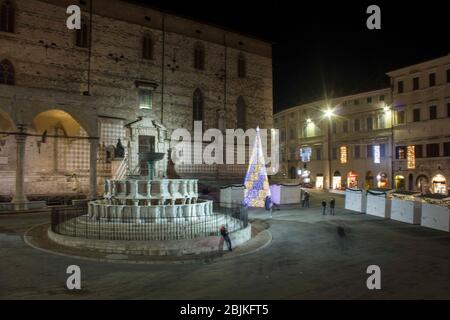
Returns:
point(332, 204)
point(324, 206)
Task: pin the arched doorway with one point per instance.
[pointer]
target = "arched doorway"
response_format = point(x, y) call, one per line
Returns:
point(293, 173)
point(399, 182)
point(319, 181)
point(439, 184)
point(410, 182)
point(337, 180)
point(352, 180)
point(422, 184)
point(382, 180)
point(369, 180)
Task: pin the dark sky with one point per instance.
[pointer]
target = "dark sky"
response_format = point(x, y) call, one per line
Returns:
point(323, 47)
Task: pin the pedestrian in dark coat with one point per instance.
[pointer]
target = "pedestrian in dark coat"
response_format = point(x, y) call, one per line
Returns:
point(226, 237)
point(306, 199)
point(332, 205)
point(324, 207)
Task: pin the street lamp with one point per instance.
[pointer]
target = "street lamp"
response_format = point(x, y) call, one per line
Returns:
point(328, 113)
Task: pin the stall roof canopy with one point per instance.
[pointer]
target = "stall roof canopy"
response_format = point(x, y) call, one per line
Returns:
point(436, 196)
point(407, 193)
point(382, 190)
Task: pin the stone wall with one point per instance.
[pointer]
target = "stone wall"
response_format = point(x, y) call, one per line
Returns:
point(52, 73)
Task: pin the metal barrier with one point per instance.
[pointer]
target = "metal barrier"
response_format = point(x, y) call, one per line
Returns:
point(75, 222)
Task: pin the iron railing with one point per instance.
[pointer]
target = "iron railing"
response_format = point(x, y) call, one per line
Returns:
point(76, 222)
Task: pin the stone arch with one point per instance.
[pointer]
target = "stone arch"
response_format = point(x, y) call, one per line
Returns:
point(87, 122)
point(50, 119)
point(7, 124)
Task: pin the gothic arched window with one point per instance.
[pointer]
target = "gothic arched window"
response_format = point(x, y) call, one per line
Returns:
point(241, 66)
point(199, 57)
point(82, 35)
point(147, 48)
point(197, 105)
point(7, 74)
point(241, 114)
point(7, 17)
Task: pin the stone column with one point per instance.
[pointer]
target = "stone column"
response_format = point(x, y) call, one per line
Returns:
point(93, 168)
point(20, 200)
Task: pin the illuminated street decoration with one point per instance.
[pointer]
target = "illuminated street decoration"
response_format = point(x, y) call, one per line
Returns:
point(376, 154)
point(343, 154)
point(256, 181)
point(305, 154)
point(411, 157)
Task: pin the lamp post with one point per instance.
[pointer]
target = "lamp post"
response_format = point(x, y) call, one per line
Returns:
point(329, 114)
point(389, 113)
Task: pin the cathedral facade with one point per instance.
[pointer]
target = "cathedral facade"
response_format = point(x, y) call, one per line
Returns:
point(131, 73)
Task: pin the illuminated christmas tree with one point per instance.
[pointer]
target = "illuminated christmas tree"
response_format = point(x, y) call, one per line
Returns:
point(256, 181)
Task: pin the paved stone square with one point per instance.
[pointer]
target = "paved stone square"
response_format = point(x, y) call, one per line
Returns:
point(306, 259)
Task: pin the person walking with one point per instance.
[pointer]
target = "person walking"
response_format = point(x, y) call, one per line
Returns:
point(306, 199)
point(268, 205)
point(332, 205)
point(226, 237)
point(324, 207)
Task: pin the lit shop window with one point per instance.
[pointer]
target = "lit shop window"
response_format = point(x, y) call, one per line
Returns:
point(344, 154)
point(411, 157)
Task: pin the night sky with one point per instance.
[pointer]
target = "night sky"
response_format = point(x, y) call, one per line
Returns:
point(324, 48)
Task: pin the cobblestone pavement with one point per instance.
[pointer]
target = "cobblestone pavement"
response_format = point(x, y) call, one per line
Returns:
point(307, 259)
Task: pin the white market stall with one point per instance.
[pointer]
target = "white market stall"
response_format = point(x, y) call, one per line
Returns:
point(355, 200)
point(436, 212)
point(231, 195)
point(378, 203)
point(406, 207)
point(286, 194)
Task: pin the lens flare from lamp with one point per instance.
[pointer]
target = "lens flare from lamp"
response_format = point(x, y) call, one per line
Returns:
point(328, 113)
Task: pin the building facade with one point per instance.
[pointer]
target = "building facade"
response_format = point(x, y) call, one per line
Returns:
point(421, 133)
point(131, 73)
point(337, 143)
point(396, 137)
